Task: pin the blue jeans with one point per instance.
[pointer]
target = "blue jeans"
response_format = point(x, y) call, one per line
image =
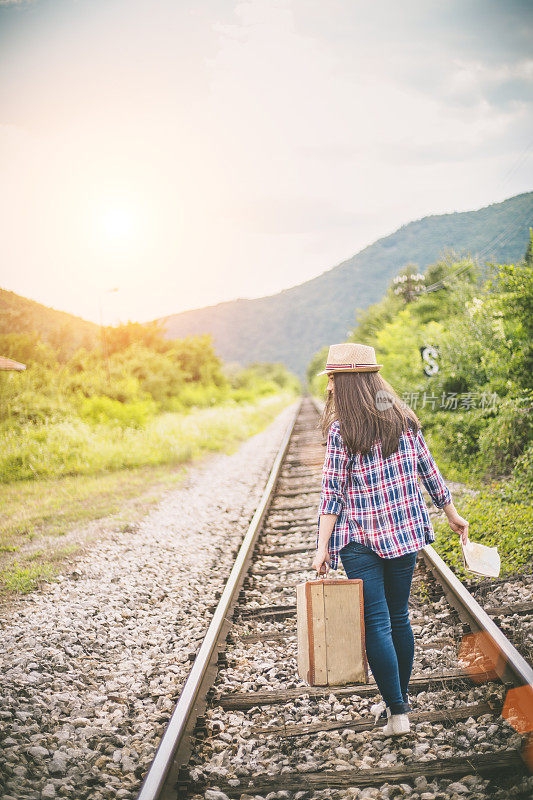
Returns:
point(389, 640)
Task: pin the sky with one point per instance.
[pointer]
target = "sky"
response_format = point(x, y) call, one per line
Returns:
point(163, 155)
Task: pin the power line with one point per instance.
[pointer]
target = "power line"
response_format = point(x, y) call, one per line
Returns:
point(512, 169)
point(500, 240)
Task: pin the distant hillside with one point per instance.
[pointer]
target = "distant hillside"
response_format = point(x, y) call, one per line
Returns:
point(292, 325)
point(63, 331)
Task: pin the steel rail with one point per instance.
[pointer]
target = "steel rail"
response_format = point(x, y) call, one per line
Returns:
point(495, 642)
point(187, 708)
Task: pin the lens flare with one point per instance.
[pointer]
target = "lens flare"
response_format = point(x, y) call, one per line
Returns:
point(117, 223)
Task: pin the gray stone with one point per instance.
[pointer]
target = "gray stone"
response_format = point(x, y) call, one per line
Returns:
point(128, 764)
point(38, 752)
point(58, 764)
point(472, 780)
point(49, 792)
point(214, 794)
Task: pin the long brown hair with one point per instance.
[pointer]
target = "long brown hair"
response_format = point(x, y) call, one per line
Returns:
point(368, 410)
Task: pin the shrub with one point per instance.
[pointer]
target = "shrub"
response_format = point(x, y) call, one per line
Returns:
point(457, 432)
point(522, 476)
point(197, 395)
point(507, 435)
point(104, 409)
point(509, 526)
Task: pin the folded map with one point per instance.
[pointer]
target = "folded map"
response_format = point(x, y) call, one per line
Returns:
point(480, 559)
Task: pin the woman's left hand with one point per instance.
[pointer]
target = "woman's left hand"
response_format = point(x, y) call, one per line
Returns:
point(321, 561)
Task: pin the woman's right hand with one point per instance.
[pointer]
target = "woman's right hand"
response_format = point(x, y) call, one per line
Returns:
point(321, 561)
point(457, 523)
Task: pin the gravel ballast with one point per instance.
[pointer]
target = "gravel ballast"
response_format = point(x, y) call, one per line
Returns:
point(93, 664)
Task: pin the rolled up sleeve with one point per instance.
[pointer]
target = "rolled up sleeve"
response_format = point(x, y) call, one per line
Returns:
point(334, 475)
point(430, 474)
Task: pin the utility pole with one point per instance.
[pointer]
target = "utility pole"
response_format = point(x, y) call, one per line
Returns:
point(409, 285)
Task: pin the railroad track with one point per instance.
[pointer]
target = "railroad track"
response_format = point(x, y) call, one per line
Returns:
point(245, 726)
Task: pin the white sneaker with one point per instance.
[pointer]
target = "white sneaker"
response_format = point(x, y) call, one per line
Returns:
point(397, 724)
point(377, 710)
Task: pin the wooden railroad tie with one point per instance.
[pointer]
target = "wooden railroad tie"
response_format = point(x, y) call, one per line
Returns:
point(280, 611)
point(298, 492)
point(273, 570)
point(297, 474)
point(284, 551)
point(277, 570)
point(486, 764)
point(251, 583)
point(294, 507)
point(285, 483)
point(440, 715)
point(245, 700)
point(300, 526)
point(283, 611)
point(253, 638)
point(513, 608)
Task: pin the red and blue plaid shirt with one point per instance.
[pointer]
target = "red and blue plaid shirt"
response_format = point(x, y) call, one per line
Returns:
point(378, 500)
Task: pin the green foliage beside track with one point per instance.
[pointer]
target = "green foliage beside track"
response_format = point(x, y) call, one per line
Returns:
point(477, 407)
point(496, 519)
point(124, 404)
point(476, 411)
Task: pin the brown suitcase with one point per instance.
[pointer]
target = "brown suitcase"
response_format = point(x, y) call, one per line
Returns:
point(331, 632)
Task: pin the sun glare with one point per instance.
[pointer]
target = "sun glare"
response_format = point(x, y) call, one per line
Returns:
point(116, 223)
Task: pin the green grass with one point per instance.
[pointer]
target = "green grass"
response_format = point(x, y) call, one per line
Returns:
point(37, 516)
point(31, 509)
point(75, 447)
point(496, 519)
point(23, 578)
point(44, 522)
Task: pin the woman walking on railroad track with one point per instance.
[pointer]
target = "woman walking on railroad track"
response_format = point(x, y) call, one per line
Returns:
point(372, 514)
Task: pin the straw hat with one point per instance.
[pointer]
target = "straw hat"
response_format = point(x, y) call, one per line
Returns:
point(8, 363)
point(351, 357)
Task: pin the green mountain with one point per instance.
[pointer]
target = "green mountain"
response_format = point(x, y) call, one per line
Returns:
point(292, 325)
point(63, 331)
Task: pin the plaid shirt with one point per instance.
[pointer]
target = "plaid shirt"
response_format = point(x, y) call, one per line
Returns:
point(378, 500)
